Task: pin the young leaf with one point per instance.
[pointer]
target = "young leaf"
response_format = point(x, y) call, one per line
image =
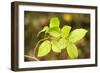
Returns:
point(65, 31)
point(55, 46)
point(72, 50)
point(44, 48)
point(55, 31)
point(77, 34)
point(45, 29)
point(62, 43)
point(54, 22)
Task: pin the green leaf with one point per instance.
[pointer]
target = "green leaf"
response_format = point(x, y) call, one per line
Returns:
point(54, 22)
point(55, 46)
point(62, 43)
point(77, 35)
point(55, 32)
point(72, 50)
point(45, 29)
point(44, 48)
point(65, 31)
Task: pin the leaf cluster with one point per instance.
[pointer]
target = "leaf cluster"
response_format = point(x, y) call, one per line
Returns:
point(60, 38)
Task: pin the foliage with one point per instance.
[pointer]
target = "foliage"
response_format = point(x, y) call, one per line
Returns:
point(44, 48)
point(60, 38)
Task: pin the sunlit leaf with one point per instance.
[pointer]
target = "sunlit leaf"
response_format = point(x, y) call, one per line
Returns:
point(54, 22)
point(77, 34)
point(65, 31)
point(44, 48)
point(62, 43)
point(55, 32)
point(72, 50)
point(55, 46)
point(45, 29)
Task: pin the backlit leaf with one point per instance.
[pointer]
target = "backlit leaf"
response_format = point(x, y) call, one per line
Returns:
point(77, 35)
point(45, 29)
point(55, 46)
point(44, 48)
point(54, 22)
point(72, 50)
point(65, 31)
point(62, 43)
point(55, 32)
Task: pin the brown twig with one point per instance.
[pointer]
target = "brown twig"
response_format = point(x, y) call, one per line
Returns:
point(31, 57)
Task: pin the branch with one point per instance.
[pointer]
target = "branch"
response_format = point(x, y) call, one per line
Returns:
point(31, 57)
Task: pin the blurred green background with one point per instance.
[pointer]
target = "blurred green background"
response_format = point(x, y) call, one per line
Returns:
point(35, 21)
